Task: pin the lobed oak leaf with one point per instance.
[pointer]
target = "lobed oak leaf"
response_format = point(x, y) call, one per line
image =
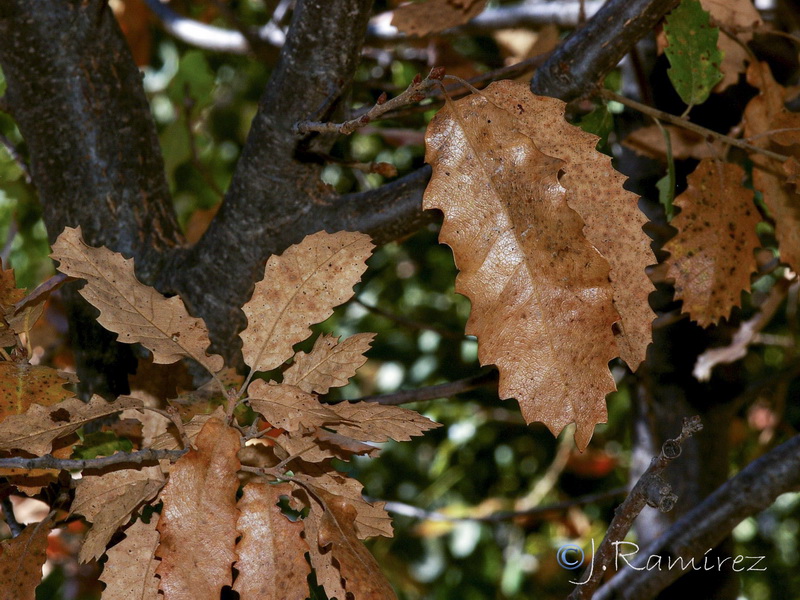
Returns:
point(371, 518)
point(319, 444)
point(300, 288)
point(712, 256)
point(272, 563)
point(342, 563)
point(433, 16)
point(612, 219)
point(198, 518)
point(138, 313)
point(21, 561)
point(329, 364)
point(108, 500)
point(35, 430)
point(373, 422)
point(542, 304)
point(287, 406)
point(130, 571)
point(23, 384)
point(780, 196)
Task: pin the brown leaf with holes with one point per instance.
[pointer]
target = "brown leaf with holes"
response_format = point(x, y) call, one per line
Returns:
point(130, 572)
point(612, 219)
point(198, 519)
point(330, 363)
point(300, 287)
point(21, 560)
point(433, 16)
point(108, 500)
point(138, 313)
point(272, 563)
point(371, 518)
point(35, 430)
point(542, 305)
point(373, 422)
point(23, 384)
point(342, 563)
point(288, 407)
point(712, 256)
point(780, 196)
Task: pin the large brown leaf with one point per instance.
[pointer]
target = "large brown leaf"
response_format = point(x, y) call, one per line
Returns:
point(21, 560)
point(301, 287)
point(198, 519)
point(272, 563)
point(613, 221)
point(781, 197)
point(136, 312)
point(130, 572)
point(108, 500)
point(35, 430)
point(712, 256)
point(541, 300)
point(330, 363)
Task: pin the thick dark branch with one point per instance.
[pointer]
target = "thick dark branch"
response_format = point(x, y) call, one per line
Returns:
point(74, 464)
point(589, 54)
point(276, 196)
point(77, 98)
point(752, 490)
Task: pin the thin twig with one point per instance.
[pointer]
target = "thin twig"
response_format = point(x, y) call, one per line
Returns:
point(49, 461)
point(408, 510)
point(16, 156)
point(442, 390)
point(415, 92)
point(679, 122)
point(11, 519)
point(410, 323)
point(650, 490)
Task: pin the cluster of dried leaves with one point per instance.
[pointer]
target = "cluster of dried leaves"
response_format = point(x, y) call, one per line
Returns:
point(277, 462)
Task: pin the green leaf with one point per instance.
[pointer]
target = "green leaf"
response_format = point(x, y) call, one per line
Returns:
point(101, 443)
point(666, 185)
point(692, 52)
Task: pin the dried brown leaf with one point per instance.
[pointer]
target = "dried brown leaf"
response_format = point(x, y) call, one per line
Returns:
point(329, 364)
point(21, 560)
point(613, 221)
point(300, 288)
point(319, 445)
point(22, 384)
point(712, 256)
point(172, 441)
point(781, 197)
point(342, 563)
point(198, 519)
point(287, 407)
point(130, 572)
point(272, 563)
point(9, 295)
point(541, 300)
point(108, 500)
point(35, 430)
point(373, 422)
point(433, 16)
point(734, 15)
point(136, 312)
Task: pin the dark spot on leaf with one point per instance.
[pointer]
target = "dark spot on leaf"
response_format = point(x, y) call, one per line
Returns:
point(60, 415)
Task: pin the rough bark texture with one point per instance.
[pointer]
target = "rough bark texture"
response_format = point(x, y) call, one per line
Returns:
point(581, 62)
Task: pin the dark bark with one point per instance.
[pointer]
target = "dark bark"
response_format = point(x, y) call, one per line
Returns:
point(77, 98)
point(276, 196)
point(586, 57)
